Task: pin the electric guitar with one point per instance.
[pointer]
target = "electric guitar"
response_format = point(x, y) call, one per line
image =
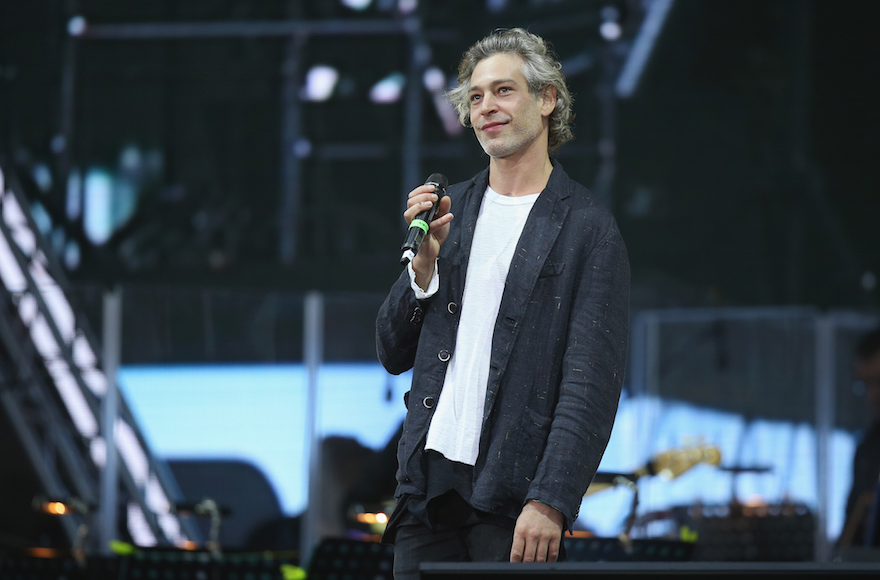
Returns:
point(668, 464)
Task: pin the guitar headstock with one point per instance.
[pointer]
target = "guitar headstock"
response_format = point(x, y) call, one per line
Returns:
point(673, 463)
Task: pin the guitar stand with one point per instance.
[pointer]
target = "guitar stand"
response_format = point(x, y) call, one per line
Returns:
point(631, 518)
point(210, 509)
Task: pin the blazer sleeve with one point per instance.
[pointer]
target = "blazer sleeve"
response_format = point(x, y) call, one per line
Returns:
point(398, 326)
point(592, 373)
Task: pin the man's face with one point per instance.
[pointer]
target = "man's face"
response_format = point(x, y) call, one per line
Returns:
point(869, 373)
point(506, 117)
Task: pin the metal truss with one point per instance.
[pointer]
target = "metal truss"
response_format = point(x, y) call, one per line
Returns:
point(53, 387)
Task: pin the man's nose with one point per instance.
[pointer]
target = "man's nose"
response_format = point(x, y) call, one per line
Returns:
point(488, 104)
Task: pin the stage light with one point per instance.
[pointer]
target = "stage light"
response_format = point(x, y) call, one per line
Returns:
point(435, 82)
point(58, 144)
point(76, 26)
point(41, 218)
point(302, 148)
point(43, 552)
point(407, 6)
point(138, 526)
point(389, 89)
point(98, 200)
point(56, 508)
point(73, 201)
point(134, 455)
point(371, 518)
point(62, 507)
point(320, 82)
point(357, 4)
point(43, 177)
point(610, 28)
point(434, 79)
point(495, 6)
point(98, 451)
point(72, 255)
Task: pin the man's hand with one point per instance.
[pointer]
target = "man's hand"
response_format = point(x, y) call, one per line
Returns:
point(537, 534)
point(418, 201)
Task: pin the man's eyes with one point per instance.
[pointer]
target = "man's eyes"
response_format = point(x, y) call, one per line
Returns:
point(500, 90)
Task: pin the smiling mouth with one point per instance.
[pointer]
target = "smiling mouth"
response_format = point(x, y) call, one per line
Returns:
point(490, 126)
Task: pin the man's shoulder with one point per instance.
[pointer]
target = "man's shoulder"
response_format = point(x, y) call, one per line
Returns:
point(584, 204)
point(574, 192)
point(469, 185)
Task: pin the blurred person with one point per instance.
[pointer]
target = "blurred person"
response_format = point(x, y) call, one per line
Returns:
point(866, 462)
point(514, 319)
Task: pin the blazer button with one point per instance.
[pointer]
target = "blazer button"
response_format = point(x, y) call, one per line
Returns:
point(428, 402)
point(452, 307)
point(443, 355)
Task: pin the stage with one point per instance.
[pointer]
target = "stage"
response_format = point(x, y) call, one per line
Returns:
point(598, 570)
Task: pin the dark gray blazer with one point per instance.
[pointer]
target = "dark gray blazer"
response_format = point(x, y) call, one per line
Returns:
point(558, 350)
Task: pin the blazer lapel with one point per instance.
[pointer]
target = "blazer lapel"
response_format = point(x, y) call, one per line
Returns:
point(464, 232)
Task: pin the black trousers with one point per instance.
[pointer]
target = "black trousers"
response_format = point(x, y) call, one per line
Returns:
point(457, 533)
point(478, 542)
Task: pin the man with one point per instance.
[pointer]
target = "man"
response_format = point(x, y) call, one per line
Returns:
point(514, 318)
point(866, 463)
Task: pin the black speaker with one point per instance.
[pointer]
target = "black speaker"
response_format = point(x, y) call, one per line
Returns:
point(344, 559)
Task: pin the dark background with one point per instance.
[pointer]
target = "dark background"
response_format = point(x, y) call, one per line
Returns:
point(743, 174)
point(744, 169)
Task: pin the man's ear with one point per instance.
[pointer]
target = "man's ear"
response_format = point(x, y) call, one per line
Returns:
point(548, 100)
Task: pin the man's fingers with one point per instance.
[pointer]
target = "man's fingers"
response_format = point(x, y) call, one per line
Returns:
point(417, 204)
point(421, 199)
point(532, 544)
point(553, 550)
point(516, 551)
point(441, 221)
point(421, 190)
point(534, 547)
point(541, 547)
point(537, 534)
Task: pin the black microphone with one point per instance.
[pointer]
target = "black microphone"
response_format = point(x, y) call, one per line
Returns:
point(418, 227)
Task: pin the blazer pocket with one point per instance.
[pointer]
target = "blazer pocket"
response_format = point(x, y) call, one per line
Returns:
point(551, 269)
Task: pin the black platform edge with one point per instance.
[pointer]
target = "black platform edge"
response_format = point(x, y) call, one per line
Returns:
point(598, 570)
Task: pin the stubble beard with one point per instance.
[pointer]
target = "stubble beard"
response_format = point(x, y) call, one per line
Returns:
point(518, 137)
point(500, 147)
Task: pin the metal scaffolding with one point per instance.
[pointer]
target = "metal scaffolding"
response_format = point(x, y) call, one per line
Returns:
point(54, 386)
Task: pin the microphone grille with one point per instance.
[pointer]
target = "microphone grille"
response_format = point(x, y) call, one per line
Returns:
point(439, 180)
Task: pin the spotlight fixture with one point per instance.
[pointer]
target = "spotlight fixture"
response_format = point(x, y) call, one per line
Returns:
point(389, 89)
point(320, 82)
point(62, 507)
point(610, 28)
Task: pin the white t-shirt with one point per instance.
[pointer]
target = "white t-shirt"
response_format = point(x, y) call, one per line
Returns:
point(456, 423)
